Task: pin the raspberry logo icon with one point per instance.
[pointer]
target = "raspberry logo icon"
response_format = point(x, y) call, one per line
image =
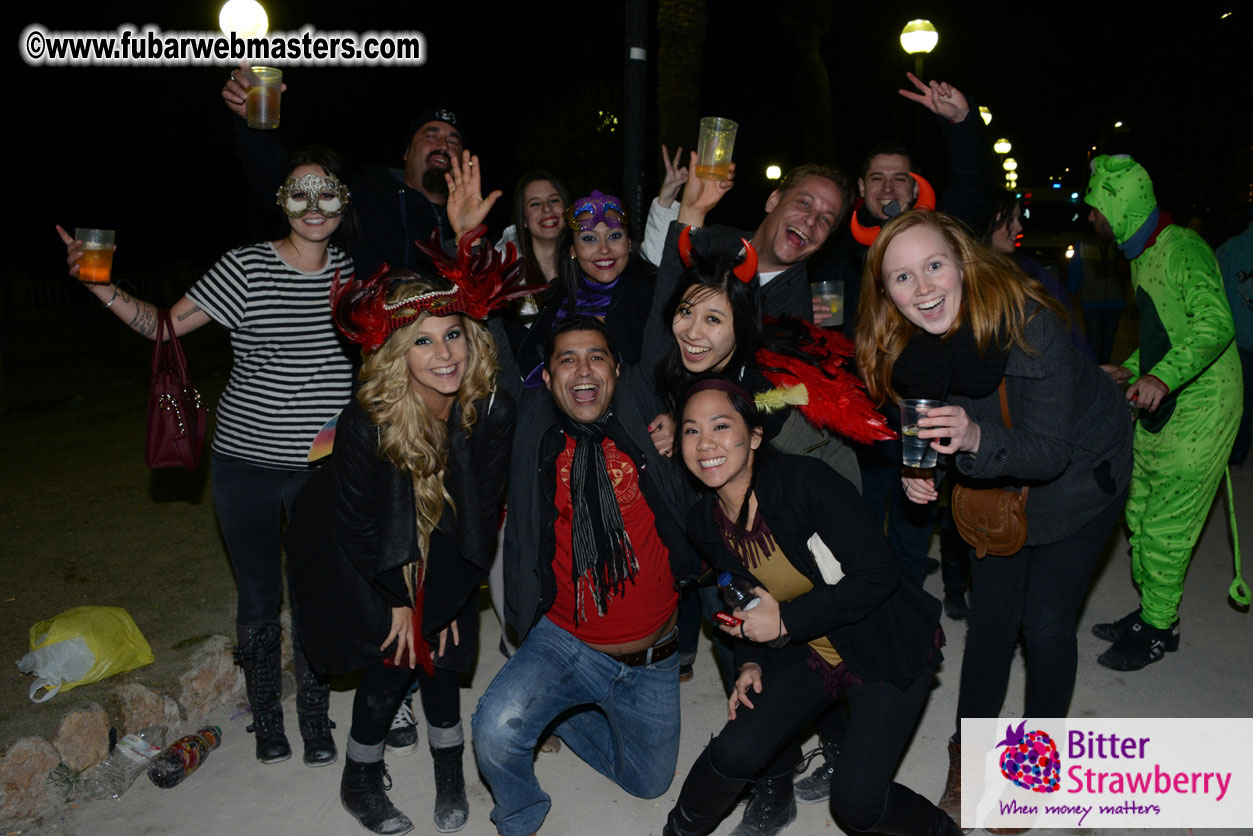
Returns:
point(1030, 759)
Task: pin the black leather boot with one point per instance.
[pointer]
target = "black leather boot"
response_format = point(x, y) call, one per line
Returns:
point(906, 813)
point(363, 792)
point(313, 702)
point(772, 807)
point(258, 654)
point(706, 796)
point(451, 806)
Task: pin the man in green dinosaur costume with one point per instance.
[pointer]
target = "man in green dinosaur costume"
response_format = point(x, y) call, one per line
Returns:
point(1187, 386)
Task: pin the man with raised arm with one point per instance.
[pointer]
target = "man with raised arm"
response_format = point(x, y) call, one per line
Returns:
point(394, 206)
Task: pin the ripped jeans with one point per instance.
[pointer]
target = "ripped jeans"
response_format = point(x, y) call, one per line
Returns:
point(626, 722)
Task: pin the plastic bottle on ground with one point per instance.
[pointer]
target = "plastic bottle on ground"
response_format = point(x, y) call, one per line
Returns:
point(183, 757)
point(114, 776)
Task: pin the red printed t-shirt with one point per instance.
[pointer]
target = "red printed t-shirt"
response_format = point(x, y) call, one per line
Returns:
point(646, 603)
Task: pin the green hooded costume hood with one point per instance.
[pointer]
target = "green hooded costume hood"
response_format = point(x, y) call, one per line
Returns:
point(1120, 189)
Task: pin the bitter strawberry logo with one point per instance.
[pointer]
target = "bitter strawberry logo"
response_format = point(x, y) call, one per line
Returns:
point(1030, 759)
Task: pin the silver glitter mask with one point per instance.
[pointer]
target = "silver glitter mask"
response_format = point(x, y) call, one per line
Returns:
point(299, 196)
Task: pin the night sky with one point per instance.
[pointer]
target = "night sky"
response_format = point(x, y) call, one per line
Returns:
point(149, 151)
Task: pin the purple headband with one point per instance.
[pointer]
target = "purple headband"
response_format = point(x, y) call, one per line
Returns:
point(586, 212)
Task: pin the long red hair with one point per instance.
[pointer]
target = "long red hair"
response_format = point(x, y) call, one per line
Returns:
point(996, 298)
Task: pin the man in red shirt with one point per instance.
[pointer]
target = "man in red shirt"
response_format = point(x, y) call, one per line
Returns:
point(593, 545)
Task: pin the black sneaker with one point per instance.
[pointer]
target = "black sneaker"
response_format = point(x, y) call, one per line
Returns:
point(1112, 631)
point(771, 808)
point(1140, 646)
point(402, 738)
point(816, 786)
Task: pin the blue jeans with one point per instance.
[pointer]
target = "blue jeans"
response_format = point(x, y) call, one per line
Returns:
point(627, 727)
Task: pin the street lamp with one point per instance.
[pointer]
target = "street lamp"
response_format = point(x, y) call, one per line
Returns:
point(1010, 164)
point(985, 114)
point(246, 18)
point(1002, 146)
point(918, 38)
point(773, 172)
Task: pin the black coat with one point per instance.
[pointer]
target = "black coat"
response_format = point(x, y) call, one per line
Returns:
point(352, 530)
point(530, 544)
point(881, 623)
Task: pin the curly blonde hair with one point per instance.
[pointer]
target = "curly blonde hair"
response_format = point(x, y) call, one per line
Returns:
point(996, 295)
point(410, 435)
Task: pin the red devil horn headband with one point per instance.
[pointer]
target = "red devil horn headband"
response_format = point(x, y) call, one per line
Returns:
point(744, 271)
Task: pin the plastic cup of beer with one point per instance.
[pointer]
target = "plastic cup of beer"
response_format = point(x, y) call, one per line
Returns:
point(830, 296)
point(264, 92)
point(96, 265)
point(915, 451)
point(714, 147)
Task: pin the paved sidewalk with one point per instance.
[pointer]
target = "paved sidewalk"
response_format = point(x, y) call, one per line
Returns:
point(233, 794)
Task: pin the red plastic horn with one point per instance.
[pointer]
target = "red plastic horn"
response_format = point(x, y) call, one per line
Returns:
point(926, 193)
point(866, 235)
point(746, 269)
point(685, 246)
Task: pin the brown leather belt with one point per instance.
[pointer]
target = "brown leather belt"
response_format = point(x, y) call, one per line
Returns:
point(665, 647)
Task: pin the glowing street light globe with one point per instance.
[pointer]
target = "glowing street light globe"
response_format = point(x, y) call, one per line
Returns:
point(246, 18)
point(773, 172)
point(919, 36)
point(1002, 146)
point(985, 114)
point(1010, 164)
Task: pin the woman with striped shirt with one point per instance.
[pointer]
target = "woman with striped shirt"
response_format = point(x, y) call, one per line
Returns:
point(290, 376)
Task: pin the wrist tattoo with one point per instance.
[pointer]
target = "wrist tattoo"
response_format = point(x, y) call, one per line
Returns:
point(195, 309)
point(145, 321)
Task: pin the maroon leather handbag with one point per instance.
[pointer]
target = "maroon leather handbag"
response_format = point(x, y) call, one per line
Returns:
point(176, 420)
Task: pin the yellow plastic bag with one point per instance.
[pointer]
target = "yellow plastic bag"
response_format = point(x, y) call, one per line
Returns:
point(82, 645)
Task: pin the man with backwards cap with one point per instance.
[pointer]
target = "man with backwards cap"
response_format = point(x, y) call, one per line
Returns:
point(1186, 384)
point(394, 206)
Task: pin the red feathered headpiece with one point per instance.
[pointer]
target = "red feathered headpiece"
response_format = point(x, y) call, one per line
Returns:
point(836, 400)
point(481, 282)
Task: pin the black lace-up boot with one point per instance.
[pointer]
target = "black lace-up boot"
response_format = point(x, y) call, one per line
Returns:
point(258, 653)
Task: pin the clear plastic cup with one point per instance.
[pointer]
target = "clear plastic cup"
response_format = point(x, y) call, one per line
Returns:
point(714, 147)
point(915, 451)
point(96, 265)
point(264, 93)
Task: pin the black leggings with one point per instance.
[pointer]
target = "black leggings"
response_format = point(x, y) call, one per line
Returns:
point(381, 689)
point(1039, 591)
point(763, 739)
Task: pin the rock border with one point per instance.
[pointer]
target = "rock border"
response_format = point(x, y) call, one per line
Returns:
point(34, 771)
